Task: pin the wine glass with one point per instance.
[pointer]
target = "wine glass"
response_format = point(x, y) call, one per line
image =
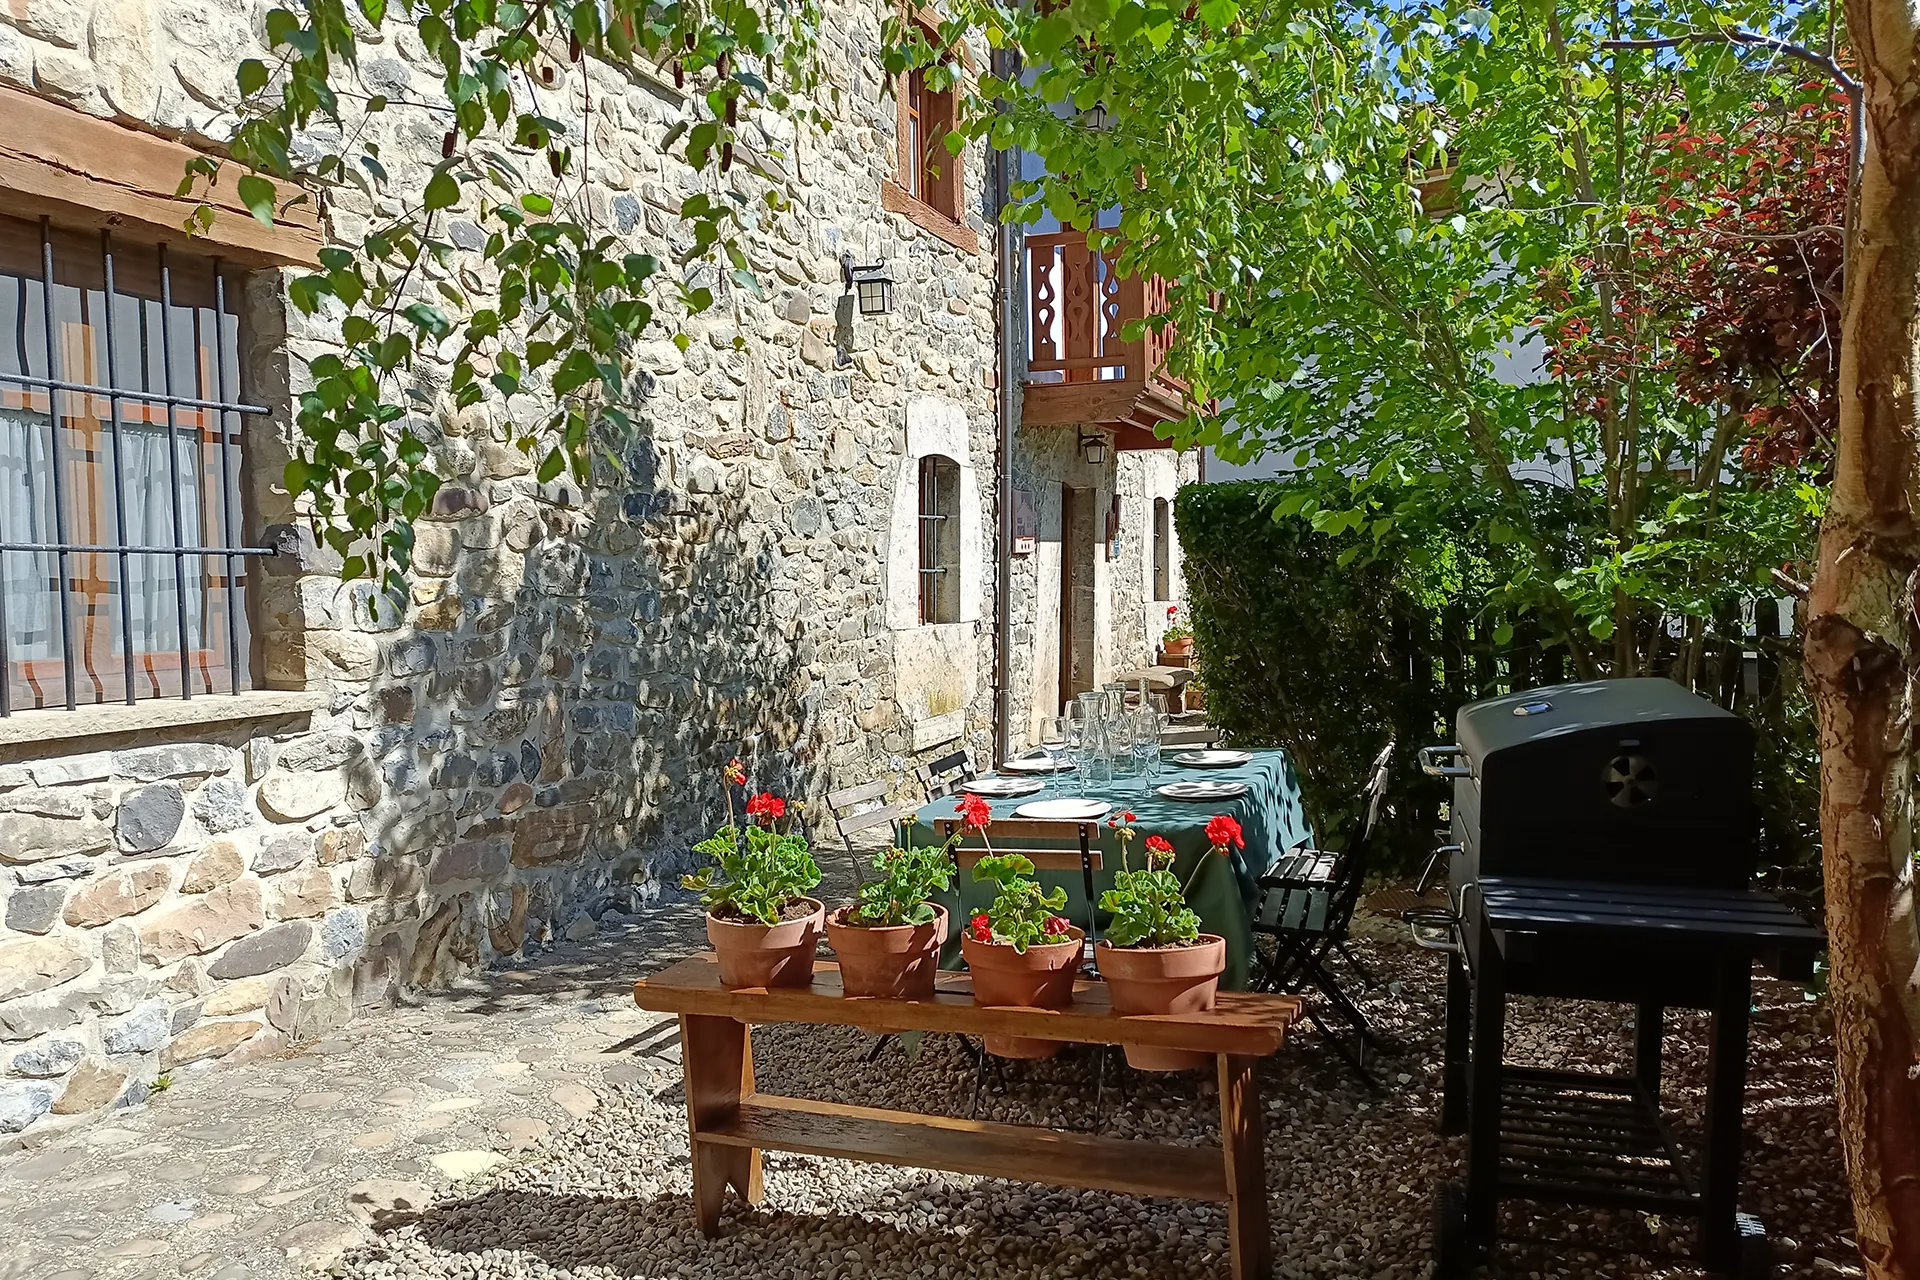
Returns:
point(1053, 741)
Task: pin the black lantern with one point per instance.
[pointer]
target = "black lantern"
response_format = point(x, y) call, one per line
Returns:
point(1094, 448)
point(871, 283)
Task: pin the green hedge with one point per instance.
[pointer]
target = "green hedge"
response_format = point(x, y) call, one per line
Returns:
point(1318, 643)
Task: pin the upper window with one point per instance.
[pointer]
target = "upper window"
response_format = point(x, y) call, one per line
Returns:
point(927, 185)
point(1162, 551)
point(122, 574)
point(939, 539)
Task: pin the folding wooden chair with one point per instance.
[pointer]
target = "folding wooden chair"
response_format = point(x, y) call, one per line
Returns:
point(1204, 736)
point(943, 777)
point(863, 811)
point(1006, 835)
point(1307, 900)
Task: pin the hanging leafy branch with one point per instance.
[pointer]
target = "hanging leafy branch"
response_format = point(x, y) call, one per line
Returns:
point(1355, 207)
point(550, 307)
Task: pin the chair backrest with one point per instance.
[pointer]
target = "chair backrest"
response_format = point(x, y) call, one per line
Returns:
point(863, 811)
point(943, 777)
point(1006, 834)
point(1204, 736)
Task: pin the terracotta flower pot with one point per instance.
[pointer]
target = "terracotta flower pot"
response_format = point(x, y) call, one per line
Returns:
point(752, 954)
point(1177, 648)
point(1039, 978)
point(890, 962)
point(1153, 980)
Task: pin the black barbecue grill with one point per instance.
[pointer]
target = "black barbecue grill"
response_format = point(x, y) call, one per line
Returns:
point(1602, 849)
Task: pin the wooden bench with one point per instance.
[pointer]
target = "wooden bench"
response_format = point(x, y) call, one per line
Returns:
point(730, 1122)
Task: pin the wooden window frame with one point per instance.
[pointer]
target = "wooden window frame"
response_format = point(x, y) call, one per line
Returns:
point(938, 525)
point(929, 186)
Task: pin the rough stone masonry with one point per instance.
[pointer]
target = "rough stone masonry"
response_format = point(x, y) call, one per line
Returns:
point(535, 735)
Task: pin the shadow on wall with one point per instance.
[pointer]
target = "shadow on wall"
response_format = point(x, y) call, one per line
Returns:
point(549, 733)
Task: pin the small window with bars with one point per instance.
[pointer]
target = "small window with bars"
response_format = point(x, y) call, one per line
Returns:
point(939, 539)
point(122, 569)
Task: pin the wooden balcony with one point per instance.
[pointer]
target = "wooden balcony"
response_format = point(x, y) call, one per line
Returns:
point(1080, 371)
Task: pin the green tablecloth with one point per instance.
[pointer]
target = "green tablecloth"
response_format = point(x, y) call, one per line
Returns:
point(1271, 818)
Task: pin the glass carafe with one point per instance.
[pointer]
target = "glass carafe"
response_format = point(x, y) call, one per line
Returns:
point(1097, 751)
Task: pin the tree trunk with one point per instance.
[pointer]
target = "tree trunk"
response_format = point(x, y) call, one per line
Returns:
point(1861, 662)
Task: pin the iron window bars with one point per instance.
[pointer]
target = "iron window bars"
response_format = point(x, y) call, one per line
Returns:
point(939, 479)
point(220, 410)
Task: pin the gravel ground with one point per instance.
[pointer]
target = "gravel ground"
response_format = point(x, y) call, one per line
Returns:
point(1350, 1175)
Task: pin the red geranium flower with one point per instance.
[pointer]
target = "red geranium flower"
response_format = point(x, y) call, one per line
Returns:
point(767, 806)
point(1223, 830)
point(981, 928)
point(735, 772)
point(1058, 926)
point(974, 812)
point(1158, 844)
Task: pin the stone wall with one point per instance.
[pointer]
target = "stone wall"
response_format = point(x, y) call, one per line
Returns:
point(536, 739)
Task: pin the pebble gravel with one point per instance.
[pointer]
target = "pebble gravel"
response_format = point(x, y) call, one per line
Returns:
point(1351, 1173)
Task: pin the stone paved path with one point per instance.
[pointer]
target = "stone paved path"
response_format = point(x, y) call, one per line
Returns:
point(271, 1168)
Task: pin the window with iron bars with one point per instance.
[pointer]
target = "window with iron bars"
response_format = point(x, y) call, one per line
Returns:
point(122, 568)
point(939, 539)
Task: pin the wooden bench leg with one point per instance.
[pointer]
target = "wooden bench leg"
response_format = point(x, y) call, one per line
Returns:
point(716, 1061)
point(1243, 1144)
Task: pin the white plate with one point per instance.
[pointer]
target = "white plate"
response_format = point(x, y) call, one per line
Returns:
point(1002, 787)
point(1212, 759)
point(1206, 789)
point(1069, 810)
point(1035, 764)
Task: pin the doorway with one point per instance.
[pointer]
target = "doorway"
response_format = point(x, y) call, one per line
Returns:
point(1077, 543)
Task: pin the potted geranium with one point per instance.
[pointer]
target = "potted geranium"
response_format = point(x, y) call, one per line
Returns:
point(1177, 640)
point(763, 927)
point(1021, 950)
point(889, 939)
point(1154, 957)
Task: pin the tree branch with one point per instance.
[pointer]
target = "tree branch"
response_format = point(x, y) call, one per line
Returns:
point(1856, 98)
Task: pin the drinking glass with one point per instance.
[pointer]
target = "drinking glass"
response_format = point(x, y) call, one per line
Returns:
point(1053, 741)
point(1146, 745)
point(1074, 734)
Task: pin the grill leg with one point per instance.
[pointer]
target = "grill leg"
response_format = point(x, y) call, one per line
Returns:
point(1453, 1093)
point(1648, 1021)
point(1726, 1090)
point(1483, 1117)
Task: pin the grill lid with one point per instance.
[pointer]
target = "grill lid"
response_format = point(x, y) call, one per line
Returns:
point(1607, 706)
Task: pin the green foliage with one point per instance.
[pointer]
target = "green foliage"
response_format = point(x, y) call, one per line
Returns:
point(1149, 906)
point(1368, 215)
point(1329, 639)
point(1021, 911)
point(763, 871)
point(550, 313)
point(908, 877)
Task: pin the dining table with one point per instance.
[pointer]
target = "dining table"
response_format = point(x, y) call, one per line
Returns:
point(1222, 891)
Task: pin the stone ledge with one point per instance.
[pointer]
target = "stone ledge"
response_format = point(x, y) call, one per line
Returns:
point(52, 725)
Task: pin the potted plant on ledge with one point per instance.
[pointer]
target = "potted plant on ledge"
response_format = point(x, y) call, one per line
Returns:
point(1022, 952)
point(763, 927)
point(1154, 957)
point(889, 940)
point(1177, 640)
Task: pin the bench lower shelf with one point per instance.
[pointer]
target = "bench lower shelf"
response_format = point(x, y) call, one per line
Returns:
point(1017, 1152)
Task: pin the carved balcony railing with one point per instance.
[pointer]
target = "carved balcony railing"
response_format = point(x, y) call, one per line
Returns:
point(1080, 370)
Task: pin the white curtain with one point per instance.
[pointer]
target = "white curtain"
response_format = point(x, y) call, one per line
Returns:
point(151, 578)
point(26, 515)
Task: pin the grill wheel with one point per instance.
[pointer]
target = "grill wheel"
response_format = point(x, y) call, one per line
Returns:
point(1631, 781)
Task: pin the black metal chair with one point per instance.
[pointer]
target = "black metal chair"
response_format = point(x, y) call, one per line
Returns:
point(1307, 901)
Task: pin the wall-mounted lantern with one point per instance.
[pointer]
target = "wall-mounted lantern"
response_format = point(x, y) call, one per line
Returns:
point(872, 285)
point(1094, 448)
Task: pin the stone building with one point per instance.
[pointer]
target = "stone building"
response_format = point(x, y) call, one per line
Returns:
point(845, 543)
